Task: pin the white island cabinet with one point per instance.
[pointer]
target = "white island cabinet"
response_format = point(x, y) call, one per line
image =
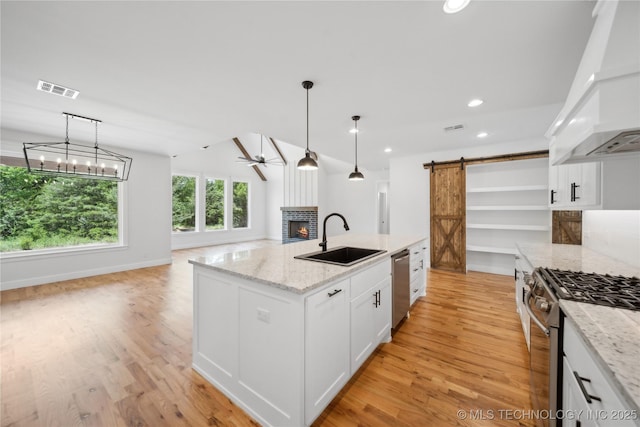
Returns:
point(280, 336)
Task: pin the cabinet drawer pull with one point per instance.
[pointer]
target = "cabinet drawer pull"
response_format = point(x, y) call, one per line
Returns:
point(553, 193)
point(335, 291)
point(573, 191)
point(588, 397)
point(376, 300)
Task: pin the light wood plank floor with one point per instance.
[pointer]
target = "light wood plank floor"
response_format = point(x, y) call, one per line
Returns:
point(115, 350)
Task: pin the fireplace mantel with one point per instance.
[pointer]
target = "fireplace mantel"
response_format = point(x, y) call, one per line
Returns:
point(299, 208)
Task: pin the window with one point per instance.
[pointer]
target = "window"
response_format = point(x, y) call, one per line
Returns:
point(214, 204)
point(184, 203)
point(240, 204)
point(40, 211)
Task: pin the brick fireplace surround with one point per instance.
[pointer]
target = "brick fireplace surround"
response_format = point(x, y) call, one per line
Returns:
point(299, 213)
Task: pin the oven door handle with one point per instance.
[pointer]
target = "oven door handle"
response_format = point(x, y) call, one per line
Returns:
point(537, 321)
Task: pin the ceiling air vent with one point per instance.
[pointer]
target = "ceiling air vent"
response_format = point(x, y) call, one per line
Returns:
point(454, 128)
point(57, 89)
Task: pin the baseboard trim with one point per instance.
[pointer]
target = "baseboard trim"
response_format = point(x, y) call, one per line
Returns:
point(35, 281)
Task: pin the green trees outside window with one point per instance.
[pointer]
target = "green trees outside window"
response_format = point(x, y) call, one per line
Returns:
point(38, 212)
point(240, 204)
point(214, 204)
point(184, 203)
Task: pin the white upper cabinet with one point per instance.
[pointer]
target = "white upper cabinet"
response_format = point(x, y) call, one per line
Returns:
point(604, 99)
point(610, 184)
point(575, 187)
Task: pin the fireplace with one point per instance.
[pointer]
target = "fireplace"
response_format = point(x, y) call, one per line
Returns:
point(299, 223)
point(299, 230)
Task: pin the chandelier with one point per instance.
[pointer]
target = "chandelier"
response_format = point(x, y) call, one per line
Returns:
point(82, 161)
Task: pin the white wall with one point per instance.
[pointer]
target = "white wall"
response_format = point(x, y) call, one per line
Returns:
point(218, 161)
point(613, 233)
point(409, 182)
point(355, 200)
point(148, 227)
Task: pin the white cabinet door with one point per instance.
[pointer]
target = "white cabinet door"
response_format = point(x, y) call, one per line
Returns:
point(326, 347)
point(575, 186)
point(573, 404)
point(555, 187)
point(382, 310)
point(362, 321)
point(588, 177)
point(590, 385)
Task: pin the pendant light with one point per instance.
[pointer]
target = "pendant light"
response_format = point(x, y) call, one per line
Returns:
point(81, 161)
point(356, 175)
point(307, 163)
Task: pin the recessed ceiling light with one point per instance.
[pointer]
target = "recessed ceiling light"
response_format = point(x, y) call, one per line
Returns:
point(482, 135)
point(57, 89)
point(387, 150)
point(475, 102)
point(454, 6)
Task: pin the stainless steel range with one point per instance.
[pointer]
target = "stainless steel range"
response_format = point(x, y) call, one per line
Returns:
point(548, 286)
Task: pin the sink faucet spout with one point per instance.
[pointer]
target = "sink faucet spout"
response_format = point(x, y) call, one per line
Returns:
point(323, 244)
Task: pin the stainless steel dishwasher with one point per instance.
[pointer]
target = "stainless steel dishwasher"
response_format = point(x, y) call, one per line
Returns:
point(401, 294)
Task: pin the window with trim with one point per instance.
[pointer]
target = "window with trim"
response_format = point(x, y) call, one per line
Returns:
point(41, 211)
point(183, 203)
point(240, 204)
point(214, 204)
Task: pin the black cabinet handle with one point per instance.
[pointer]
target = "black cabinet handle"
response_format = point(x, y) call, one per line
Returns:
point(553, 193)
point(376, 300)
point(573, 191)
point(588, 397)
point(335, 291)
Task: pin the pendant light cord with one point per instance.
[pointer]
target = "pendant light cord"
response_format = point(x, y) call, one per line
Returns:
point(307, 120)
point(356, 144)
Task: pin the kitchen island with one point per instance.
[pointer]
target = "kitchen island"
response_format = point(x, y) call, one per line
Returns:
point(281, 336)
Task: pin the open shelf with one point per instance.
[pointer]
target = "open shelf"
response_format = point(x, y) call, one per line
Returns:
point(491, 249)
point(523, 227)
point(507, 188)
point(506, 204)
point(508, 208)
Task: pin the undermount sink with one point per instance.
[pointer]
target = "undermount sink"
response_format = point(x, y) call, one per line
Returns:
point(343, 255)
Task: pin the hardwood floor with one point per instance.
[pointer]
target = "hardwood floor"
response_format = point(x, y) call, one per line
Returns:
point(115, 350)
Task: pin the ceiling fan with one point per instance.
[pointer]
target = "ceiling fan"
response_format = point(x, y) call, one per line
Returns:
point(260, 159)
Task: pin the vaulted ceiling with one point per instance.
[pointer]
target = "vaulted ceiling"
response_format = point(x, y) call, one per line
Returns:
point(171, 77)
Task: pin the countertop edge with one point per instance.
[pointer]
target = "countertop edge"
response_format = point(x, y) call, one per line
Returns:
point(345, 272)
point(569, 309)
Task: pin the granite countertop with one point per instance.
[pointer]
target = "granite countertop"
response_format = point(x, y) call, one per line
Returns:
point(276, 266)
point(612, 334)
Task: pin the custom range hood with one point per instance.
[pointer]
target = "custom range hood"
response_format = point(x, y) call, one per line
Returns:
point(601, 117)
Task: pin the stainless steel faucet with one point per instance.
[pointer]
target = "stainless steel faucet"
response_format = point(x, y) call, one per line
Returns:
point(323, 244)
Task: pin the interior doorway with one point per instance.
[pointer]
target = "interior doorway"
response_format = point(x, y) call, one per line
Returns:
point(382, 201)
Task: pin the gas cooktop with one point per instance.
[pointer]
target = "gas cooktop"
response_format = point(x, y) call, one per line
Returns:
point(600, 289)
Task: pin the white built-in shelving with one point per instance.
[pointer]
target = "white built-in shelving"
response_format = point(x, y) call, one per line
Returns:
point(499, 216)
